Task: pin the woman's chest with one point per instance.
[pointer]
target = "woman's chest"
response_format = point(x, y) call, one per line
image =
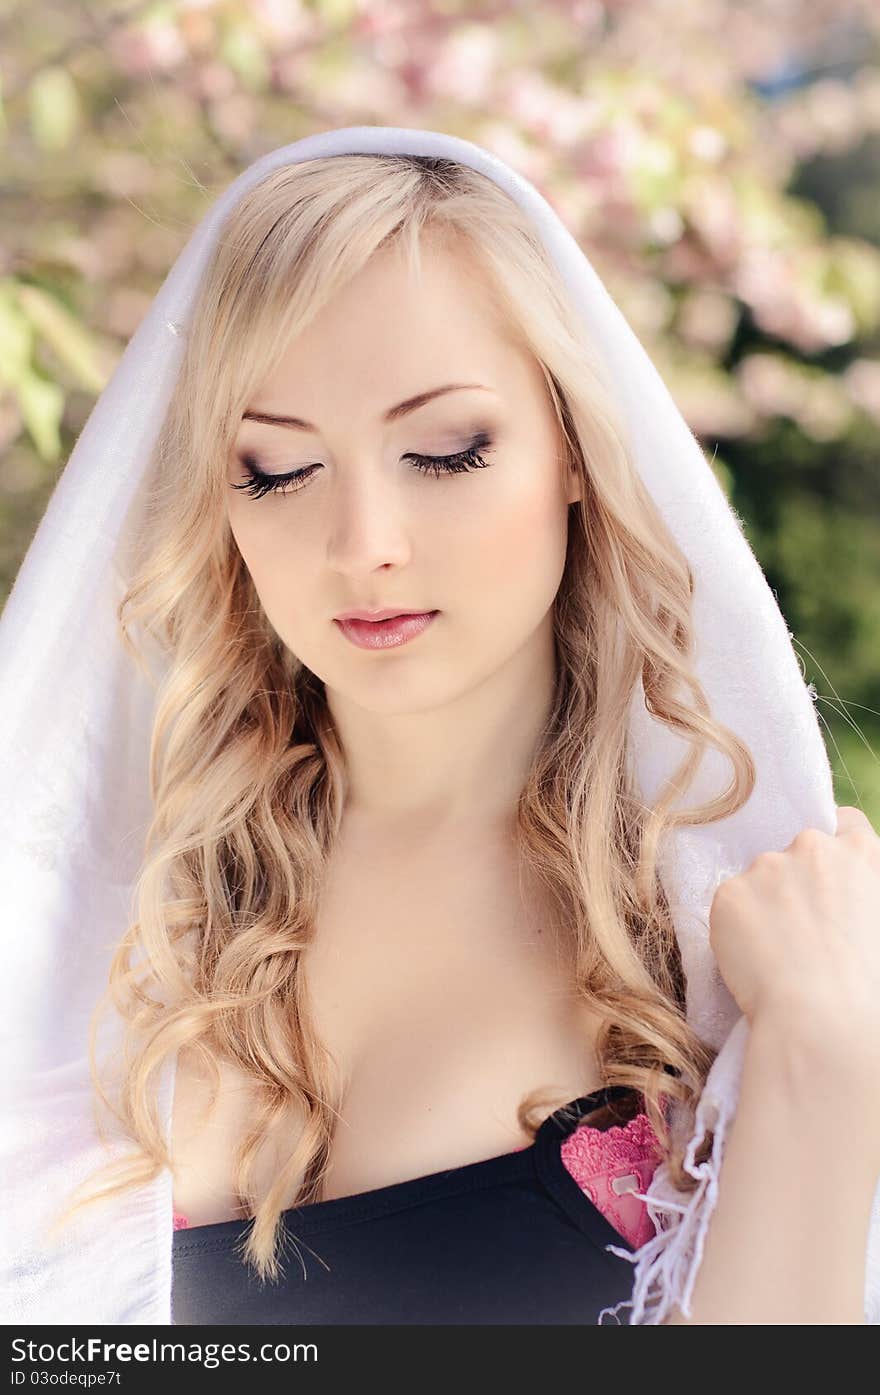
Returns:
point(442, 996)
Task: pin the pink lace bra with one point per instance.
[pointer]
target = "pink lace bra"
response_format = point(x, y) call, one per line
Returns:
point(610, 1166)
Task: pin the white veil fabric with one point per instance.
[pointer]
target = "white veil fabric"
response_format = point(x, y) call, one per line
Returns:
point(76, 716)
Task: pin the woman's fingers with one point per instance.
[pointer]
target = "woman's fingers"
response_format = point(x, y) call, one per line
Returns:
point(850, 819)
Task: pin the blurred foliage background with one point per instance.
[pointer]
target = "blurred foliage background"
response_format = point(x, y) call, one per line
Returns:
point(717, 160)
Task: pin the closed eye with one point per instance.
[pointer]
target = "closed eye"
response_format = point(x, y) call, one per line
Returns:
point(259, 483)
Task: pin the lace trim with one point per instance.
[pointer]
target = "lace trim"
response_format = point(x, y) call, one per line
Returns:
point(610, 1166)
point(589, 1150)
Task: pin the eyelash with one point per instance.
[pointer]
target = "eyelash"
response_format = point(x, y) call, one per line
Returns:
point(259, 483)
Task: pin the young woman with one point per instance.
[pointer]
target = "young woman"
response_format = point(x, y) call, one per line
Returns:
point(401, 928)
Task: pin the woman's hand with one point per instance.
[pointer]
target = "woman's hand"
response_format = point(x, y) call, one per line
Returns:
point(797, 940)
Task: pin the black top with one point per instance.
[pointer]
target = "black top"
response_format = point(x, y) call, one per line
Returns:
point(511, 1239)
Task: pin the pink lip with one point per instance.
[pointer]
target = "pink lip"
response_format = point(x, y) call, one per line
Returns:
point(377, 614)
point(385, 634)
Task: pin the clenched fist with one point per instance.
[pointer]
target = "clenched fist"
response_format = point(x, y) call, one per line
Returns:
point(797, 940)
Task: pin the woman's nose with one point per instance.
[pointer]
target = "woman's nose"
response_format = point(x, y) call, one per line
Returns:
point(369, 524)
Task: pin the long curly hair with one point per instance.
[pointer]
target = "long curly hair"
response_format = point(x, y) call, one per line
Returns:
point(247, 773)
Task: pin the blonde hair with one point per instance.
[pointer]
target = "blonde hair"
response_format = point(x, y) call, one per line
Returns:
point(246, 770)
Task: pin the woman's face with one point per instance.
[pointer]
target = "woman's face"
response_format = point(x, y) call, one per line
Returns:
point(364, 527)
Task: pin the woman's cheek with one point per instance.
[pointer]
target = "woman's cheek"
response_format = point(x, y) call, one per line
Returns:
point(275, 570)
point(529, 540)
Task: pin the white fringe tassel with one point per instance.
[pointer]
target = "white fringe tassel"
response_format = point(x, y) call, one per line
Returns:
point(666, 1267)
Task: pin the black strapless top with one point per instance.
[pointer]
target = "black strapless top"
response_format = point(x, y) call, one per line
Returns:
point(510, 1239)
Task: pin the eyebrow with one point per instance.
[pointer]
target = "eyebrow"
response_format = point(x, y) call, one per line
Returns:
point(411, 404)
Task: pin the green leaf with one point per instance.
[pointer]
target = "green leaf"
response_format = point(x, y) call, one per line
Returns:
point(54, 109)
point(42, 405)
point(73, 344)
point(16, 336)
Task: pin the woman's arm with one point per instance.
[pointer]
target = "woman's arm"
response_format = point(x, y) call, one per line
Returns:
point(787, 1241)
